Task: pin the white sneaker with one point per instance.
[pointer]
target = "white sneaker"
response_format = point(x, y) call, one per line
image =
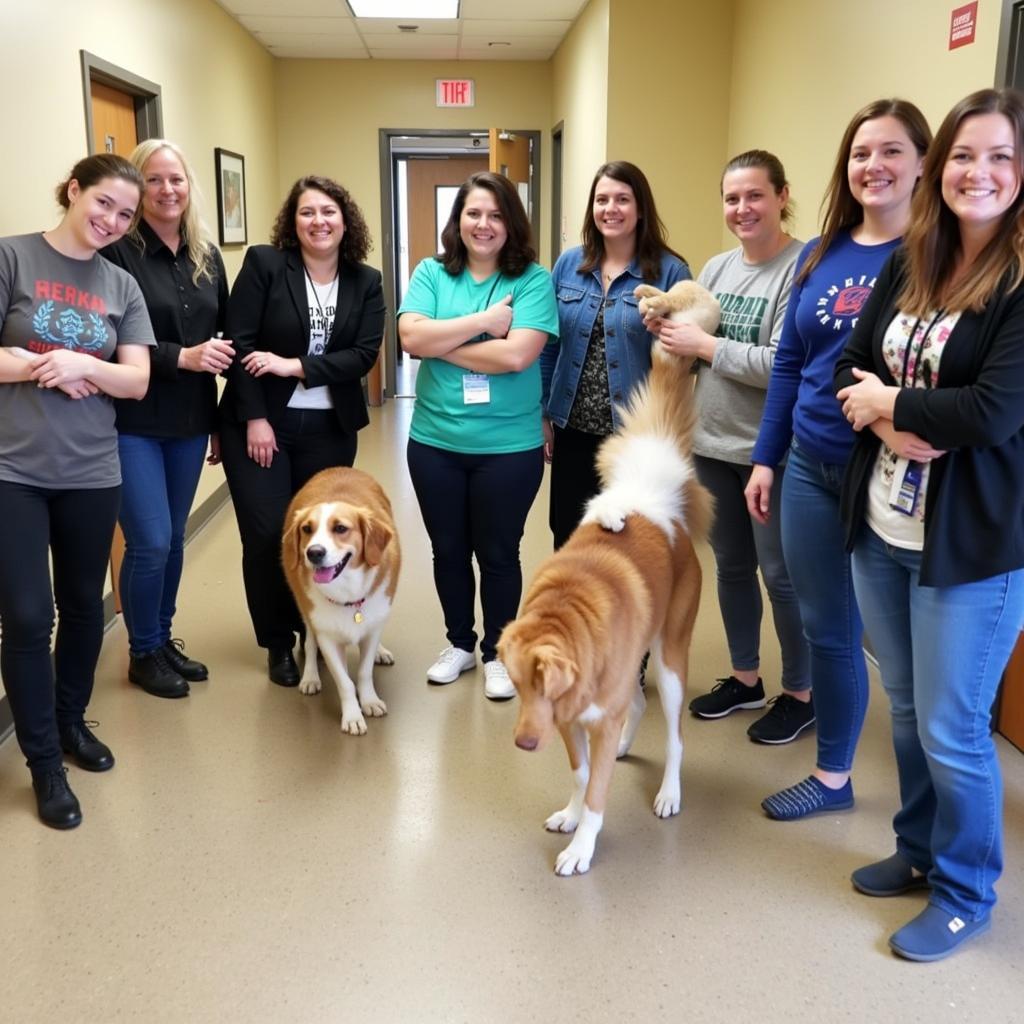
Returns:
point(498, 684)
point(450, 664)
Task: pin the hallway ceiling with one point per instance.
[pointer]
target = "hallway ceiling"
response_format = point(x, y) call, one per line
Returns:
point(484, 30)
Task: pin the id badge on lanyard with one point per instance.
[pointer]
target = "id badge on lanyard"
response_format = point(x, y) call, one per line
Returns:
point(906, 486)
point(476, 387)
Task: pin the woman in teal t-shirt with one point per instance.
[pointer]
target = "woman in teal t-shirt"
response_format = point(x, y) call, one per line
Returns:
point(478, 316)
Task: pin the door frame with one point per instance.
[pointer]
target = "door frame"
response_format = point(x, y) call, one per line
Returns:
point(149, 122)
point(388, 235)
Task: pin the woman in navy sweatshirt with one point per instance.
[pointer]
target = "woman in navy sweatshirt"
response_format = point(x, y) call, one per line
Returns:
point(867, 207)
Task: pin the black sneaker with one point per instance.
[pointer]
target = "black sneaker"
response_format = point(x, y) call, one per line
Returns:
point(186, 667)
point(786, 718)
point(728, 696)
point(154, 674)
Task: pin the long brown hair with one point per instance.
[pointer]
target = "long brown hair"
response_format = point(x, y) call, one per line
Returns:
point(933, 239)
point(517, 253)
point(651, 236)
point(841, 210)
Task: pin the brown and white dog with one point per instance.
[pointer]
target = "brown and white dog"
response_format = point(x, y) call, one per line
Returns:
point(341, 558)
point(627, 581)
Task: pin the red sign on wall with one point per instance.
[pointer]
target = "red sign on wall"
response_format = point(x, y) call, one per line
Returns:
point(962, 24)
point(457, 92)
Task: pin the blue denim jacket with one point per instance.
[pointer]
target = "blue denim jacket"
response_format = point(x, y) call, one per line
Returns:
point(627, 344)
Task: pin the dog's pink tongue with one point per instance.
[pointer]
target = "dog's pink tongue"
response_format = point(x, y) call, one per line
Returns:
point(324, 575)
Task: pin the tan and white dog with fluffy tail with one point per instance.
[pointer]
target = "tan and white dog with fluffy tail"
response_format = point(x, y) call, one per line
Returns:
point(341, 558)
point(627, 581)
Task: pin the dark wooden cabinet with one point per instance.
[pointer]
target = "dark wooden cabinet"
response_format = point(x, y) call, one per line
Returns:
point(1010, 710)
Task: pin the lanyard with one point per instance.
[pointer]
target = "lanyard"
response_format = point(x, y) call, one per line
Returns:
point(920, 348)
point(316, 297)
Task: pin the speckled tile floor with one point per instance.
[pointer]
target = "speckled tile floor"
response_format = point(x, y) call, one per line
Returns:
point(245, 861)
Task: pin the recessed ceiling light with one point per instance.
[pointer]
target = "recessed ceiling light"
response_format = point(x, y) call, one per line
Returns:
point(421, 9)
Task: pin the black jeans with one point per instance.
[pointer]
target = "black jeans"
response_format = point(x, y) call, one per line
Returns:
point(308, 440)
point(78, 527)
point(476, 505)
point(574, 479)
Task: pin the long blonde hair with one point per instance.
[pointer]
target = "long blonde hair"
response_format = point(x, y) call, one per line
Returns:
point(194, 231)
point(933, 240)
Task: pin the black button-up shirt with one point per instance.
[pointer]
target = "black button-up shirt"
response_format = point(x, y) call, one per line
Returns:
point(179, 403)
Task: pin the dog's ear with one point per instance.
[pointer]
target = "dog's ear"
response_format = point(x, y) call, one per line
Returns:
point(376, 537)
point(557, 674)
point(291, 539)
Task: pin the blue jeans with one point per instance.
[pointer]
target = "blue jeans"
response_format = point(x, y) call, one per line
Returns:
point(819, 569)
point(160, 476)
point(942, 651)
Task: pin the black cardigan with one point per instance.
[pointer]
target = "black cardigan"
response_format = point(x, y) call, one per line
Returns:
point(178, 403)
point(974, 506)
point(268, 310)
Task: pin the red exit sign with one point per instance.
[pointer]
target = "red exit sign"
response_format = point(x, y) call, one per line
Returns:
point(455, 92)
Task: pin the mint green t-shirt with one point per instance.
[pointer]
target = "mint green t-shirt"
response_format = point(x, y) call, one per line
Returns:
point(511, 420)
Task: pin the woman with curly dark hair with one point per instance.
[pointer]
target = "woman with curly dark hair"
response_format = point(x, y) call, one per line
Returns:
point(478, 315)
point(306, 316)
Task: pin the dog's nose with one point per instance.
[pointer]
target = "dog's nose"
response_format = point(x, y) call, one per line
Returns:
point(316, 553)
point(526, 742)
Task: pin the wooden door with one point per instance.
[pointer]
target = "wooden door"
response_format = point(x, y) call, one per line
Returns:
point(1010, 719)
point(510, 155)
point(113, 120)
point(113, 131)
point(424, 177)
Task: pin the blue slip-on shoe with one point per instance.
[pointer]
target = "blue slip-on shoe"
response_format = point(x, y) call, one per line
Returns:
point(807, 798)
point(934, 934)
point(889, 877)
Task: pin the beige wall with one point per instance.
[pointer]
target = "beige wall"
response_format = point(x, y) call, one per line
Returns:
point(668, 109)
point(329, 114)
point(802, 68)
point(579, 99)
point(217, 88)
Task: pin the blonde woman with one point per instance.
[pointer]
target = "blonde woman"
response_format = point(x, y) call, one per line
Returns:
point(163, 438)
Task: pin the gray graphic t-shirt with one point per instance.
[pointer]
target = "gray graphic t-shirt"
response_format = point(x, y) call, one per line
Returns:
point(50, 301)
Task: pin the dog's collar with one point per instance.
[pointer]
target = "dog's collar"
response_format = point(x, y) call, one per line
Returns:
point(358, 605)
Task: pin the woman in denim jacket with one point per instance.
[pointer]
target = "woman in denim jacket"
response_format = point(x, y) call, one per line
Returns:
point(603, 349)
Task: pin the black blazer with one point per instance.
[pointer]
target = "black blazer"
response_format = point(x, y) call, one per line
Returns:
point(268, 310)
point(974, 507)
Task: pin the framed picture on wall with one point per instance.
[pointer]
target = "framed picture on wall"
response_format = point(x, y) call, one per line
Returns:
point(230, 196)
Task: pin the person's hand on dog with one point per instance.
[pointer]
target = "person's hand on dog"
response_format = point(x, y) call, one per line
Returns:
point(687, 340)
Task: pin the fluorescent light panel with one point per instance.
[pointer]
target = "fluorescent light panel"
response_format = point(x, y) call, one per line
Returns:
point(413, 9)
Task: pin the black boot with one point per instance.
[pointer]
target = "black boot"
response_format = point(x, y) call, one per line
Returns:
point(154, 674)
point(84, 748)
point(58, 806)
point(186, 667)
point(281, 666)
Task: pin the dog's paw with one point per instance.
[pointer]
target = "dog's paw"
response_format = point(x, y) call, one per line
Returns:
point(353, 723)
point(564, 820)
point(373, 706)
point(383, 656)
point(667, 802)
point(607, 511)
point(574, 859)
point(309, 685)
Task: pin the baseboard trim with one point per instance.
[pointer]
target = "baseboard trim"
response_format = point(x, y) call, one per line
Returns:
point(199, 517)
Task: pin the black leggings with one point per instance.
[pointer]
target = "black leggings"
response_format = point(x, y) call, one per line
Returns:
point(574, 479)
point(78, 527)
point(308, 440)
point(476, 505)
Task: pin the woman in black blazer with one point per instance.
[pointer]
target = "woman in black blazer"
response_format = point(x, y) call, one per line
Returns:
point(307, 317)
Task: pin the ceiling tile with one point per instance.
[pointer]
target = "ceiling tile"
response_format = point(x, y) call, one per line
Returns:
point(494, 29)
point(337, 27)
point(302, 8)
